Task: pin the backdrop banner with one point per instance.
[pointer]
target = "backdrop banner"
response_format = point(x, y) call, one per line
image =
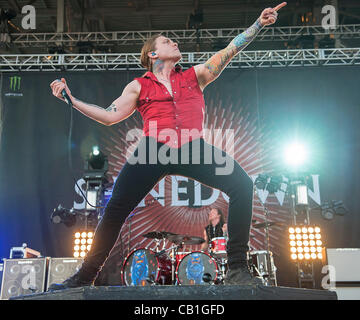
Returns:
point(266, 109)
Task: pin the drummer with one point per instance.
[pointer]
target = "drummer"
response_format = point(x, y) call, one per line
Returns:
point(216, 227)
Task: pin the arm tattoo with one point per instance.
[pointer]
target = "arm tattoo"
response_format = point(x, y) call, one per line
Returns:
point(220, 60)
point(112, 107)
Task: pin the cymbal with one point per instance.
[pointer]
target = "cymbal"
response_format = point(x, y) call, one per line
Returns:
point(266, 225)
point(158, 234)
point(178, 238)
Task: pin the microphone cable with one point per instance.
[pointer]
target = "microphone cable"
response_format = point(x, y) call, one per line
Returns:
point(69, 102)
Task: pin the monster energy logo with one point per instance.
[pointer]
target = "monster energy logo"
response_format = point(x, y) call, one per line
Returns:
point(15, 83)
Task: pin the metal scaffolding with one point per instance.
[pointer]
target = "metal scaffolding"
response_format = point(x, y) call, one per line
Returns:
point(180, 36)
point(130, 61)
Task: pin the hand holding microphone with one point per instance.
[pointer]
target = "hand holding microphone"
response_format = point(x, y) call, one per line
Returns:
point(61, 90)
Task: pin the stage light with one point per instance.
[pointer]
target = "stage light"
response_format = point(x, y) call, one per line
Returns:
point(83, 241)
point(95, 151)
point(306, 249)
point(301, 195)
point(97, 159)
point(62, 215)
point(295, 154)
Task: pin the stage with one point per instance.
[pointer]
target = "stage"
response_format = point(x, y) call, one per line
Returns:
point(206, 293)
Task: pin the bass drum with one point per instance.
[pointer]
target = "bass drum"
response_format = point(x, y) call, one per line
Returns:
point(142, 267)
point(196, 267)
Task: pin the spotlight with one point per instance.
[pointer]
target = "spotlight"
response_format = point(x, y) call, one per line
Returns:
point(82, 243)
point(301, 195)
point(96, 165)
point(62, 215)
point(261, 181)
point(274, 184)
point(96, 159)
point(331, 208)
point(7, 14)
point(305, 249)
point(295, 154)
point(270, 183)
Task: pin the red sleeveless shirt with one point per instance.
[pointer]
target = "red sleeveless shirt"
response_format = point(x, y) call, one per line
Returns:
point(172, 120)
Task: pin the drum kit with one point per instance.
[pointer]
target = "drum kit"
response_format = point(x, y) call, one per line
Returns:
point(172, 266)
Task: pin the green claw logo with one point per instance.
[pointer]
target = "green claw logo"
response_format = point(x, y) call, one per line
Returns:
point(15, 83)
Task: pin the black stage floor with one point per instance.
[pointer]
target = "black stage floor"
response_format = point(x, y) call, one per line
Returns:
point(209, 292)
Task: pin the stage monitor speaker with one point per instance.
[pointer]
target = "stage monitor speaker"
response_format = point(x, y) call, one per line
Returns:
point(345, 263)
point(62, 268)
point(23, 276)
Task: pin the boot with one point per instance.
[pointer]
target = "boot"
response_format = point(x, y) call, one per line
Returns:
point(79, 279)
point(240, 274)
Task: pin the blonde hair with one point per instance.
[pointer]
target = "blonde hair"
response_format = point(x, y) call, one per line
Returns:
point(148, 46)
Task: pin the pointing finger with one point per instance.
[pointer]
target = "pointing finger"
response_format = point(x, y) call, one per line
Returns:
point(279, 6)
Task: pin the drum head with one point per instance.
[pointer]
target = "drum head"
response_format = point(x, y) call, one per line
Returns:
point(140, 265)
point(195, 267)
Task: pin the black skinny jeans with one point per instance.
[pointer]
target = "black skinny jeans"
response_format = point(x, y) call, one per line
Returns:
point(135, 181)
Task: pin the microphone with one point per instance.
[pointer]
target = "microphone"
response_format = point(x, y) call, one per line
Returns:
point(65, 95)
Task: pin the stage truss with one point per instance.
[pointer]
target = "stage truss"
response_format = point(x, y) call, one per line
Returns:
point(181, 36)
point(131, 61)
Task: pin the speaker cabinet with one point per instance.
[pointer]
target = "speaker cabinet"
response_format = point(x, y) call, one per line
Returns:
point(23, 276)
point(62, 268)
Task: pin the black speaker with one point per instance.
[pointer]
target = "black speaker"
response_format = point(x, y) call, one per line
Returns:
point(62, 268)
point(23, 276)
